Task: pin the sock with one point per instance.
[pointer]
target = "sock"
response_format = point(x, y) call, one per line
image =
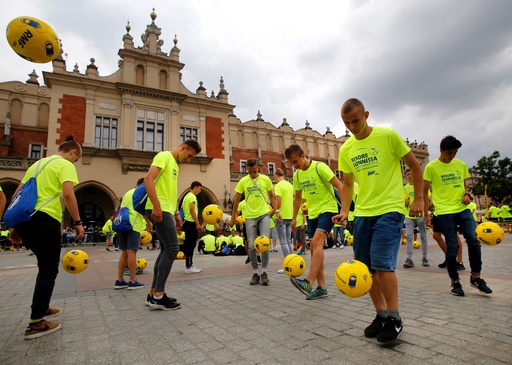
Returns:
point(263, 271)
point(256, 272)
point(159, 297)
point(35, 322)
point(394, 314)
point(382, 312)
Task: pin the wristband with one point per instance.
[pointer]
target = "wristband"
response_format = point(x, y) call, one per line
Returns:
point(77, 223)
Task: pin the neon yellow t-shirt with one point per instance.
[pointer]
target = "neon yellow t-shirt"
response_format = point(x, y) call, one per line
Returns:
point(273, 221)
point(505, 212)
point(189, 198)
point(285, 190)
point(107, 227)
point(409, 194)
point(236, 240)
point(375, 162)
point(209, 243)
point(220, 240)
point(241, 207)
point(319, 194)
point(49, 183)
point(255, 192)
point(136, 219)
point(494, 211)
point(5, 233)
point(299, 220)
point(472, 208)
point(167, 184)
point(447, 182)
point(181, 238)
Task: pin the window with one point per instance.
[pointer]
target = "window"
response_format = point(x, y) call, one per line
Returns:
point(150, 130)
point(36, 151)
point(271, 168)
point(243, 166)
point(105, 132)
point(188, 133)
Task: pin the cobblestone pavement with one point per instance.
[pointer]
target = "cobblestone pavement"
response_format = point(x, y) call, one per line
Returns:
point(224, 320)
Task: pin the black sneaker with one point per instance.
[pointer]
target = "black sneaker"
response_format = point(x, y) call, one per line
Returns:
point(255, 279)
point(374, 328)
point(391, 330)
point(460, 266)
point(457, 289)
point(442, 265)
point(150, 296)
point(481, 285)
point(164, 303)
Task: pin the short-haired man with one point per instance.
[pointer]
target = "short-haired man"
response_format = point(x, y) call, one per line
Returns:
point(283, 190)
point(162, 210)
point(191, 226)
point(256, 188)
point(314, 181)
point(372, 155)
point(448, 176)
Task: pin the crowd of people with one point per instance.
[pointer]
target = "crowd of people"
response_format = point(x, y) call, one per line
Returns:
point(370, 203)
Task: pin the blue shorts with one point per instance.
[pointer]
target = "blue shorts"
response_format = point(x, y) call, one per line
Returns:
point(322, 223)
point(129, 240)
point(377, 240)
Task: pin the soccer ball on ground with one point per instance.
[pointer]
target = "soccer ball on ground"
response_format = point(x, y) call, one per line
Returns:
point(145, 238)
point(261, 244)
point(349, 240)
point(33, 39)
point(180, 255)
point(75, 261)
point(489, 233)
point(353, 278)
point(416, 244)
point(212, 214)
point(294, 265)
point(142, 263)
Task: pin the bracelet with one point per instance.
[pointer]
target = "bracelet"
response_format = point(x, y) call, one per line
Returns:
point(276, 211)
point(77, 223)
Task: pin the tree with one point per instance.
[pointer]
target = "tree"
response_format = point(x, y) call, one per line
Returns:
point(497, 175)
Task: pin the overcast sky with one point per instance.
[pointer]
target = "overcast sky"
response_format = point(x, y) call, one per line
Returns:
point(427, 68)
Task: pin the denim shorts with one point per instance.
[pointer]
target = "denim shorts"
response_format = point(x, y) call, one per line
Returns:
point(129, 240)
point(377, 240)
point(322, 223)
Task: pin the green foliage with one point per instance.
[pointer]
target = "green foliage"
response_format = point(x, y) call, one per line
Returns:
point(497, 175)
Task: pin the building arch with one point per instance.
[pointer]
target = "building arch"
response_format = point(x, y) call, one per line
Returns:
point(96, 202)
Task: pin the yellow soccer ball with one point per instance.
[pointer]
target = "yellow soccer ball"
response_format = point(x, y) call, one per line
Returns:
point(294, 265)
point(353, 278)
point(212, 214)
point(145, 238)
point(489, 233)
point(349, 240)
point(416, 244)
point(304, 207)
point(33, 39)
point(75, 261)
point(261, 244)
point(404, 241)
point(180, 255)
point(240, 220)
point(142, 263)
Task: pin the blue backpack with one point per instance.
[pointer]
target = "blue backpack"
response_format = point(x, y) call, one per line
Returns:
point(121, 222)
point(22, 205)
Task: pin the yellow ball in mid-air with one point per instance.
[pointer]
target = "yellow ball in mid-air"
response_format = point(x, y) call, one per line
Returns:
point(142, 263)
point(75, 261)
point(353, 278)
point(212, 214)
point(294, 265)
point(145, 238)
point(416, 244)
point(261, 244)
point(33, 39)
point(489, 233)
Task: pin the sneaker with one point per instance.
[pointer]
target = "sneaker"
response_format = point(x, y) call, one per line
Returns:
point(342, 246)
point(424, 262)
point(264, 278)
point(280, 271)
point(317, 294)
point(148, 298)
point(334, 247)
point(391, 331)
point(481, 285)
point(276, 250)
point(460, 266)
point(164, 303)
point(442, 265)
point(457, 289)
point(192, 270)
point(108, 250)
point(247, 261)
point(255, 279)
point(116, 249)
point(374, 328)
point(120, 284)
point(42, 328)
point(408, 263)
point(135, 285)
point(52, 312)
point(301, 284)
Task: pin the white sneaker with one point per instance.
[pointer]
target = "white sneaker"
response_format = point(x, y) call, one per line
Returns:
point(280, 271)
point(192, 270)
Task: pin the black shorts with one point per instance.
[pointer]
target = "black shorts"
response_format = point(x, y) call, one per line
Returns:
point(435, 224)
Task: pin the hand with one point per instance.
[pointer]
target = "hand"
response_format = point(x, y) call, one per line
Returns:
point(294, 225)
point(416, 209)
point(231, 221)
point(157, 214)
point(179, 223)
point(13, 236)
point(340, 218)
point(79, 231)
